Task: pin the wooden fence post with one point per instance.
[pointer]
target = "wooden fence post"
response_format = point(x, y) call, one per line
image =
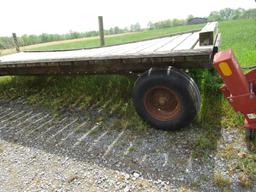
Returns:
point(101, 31)
point(16, 42)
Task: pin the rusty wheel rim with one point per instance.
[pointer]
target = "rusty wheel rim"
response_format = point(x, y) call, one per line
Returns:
point(162, 103)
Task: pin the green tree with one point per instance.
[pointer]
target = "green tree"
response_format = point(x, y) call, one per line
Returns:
point(151, 25)
point(135, 27)
point(44, 37)
point(249, 14)
point(178, 22)
point(74, 35)
point(214, 16)
point(238, 13)
point(1, 46)
point(189, 18)
point(116, 30)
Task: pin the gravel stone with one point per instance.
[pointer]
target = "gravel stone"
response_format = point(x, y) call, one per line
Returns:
point(53, 157)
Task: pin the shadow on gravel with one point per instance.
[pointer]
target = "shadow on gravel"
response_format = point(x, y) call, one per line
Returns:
point(184, 158)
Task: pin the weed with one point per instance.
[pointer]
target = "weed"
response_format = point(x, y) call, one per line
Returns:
point(205, 143)
point(244, 181)
point(222, 182)
point(116, 123)
point(95, 132)
point(184, 189)
point(77, 130)
point(204, 178)
point(99, 118)
point(226, 190)
point(125, 123)
point(228, 152)
point(132, 149)
point(195, 184)
point(248, 165)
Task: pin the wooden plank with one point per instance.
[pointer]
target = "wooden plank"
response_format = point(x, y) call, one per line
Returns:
point(110, 66)
point(41, 58)
point(112, 50)
point(98, 51)
point(150, 47)
point(142, 47)
point(208, 34)
point(102, 51)
point(162, 54)
point(154, 47)
point(123, 49)
point(126, 48)
point(176, 42)
point(189, 43)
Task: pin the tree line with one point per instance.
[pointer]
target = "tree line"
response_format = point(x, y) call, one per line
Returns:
point(224, 14)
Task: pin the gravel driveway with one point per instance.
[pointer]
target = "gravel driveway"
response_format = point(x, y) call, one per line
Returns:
point(73, 152)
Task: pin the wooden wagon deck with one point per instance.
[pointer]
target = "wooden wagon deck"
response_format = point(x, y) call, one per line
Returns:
point(193, 49)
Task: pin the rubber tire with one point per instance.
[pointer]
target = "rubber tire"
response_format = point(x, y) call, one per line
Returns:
point(180, 83)
point(250, 134)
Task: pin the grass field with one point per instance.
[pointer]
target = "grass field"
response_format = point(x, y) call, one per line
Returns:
point(113, 93)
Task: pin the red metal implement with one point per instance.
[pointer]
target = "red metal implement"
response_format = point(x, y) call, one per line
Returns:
point(238, 88)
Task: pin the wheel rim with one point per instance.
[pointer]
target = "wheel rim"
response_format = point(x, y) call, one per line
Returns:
point(162, 103)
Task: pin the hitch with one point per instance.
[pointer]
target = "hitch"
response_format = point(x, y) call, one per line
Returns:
point(239, 88)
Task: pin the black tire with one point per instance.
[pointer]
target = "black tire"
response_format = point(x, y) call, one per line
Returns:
point(166, 98)
point(250, 134)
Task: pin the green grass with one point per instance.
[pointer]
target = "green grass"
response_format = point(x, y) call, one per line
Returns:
point(240, 35)
point(5, 79)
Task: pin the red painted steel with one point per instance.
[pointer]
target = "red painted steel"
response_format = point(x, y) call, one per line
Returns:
point(238, 88)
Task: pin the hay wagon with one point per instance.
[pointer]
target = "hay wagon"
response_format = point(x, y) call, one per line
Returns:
point(164, 95)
